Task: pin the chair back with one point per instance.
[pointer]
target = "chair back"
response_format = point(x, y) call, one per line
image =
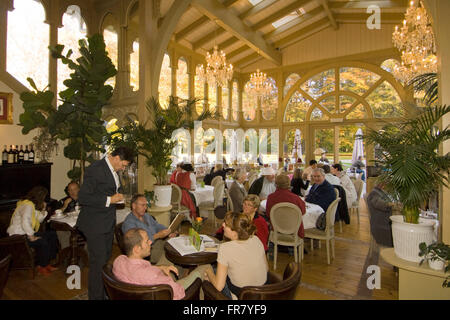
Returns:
point(118, 290)
point(22, 255)
point(216, 180)
point(176, 196)
point(4, 272)
point(252, 177)
point(218, 193)
point(336, 191)
point(285, 218)
point(358, 183)
point(119, 237)
point(230, 206)
point(331, 215)
point(283, 290)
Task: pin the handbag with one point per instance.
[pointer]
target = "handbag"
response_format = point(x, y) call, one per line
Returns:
point(321, 222)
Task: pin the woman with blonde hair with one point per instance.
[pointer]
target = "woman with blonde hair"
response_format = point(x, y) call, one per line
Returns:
point(242, 260)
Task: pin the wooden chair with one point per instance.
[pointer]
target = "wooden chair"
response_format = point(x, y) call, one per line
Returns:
point(118, 290)
point(336, 190)
point(4, 272)
point(358, 183)
point(328, 233)
point(22, 255)
point(176, 202)
point(286, 219)
point(119, 237)
point(276, 289)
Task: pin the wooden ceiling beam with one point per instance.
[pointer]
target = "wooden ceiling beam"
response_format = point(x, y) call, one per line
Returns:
point(237, 51)
point(325, 6)
point(227, 43)
point(386, 17)
point(258, 8)
point(246, 60)
point(279, 14)
point(365, 4)
point(209, 37)
point(231, 23)
point(319, 24)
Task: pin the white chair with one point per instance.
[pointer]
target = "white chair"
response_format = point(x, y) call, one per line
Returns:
point(176, 202)
point(286, 219)
point(340, 221)
point(218, 200)
point(216, 180)
point(358, 183)
point(328, 233)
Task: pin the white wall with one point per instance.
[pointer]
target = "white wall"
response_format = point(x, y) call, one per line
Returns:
point(12, 134)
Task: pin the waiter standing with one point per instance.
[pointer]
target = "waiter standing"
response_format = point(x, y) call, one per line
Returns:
point(98, 195)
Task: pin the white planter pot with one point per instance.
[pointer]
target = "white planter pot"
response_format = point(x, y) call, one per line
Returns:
point(163, 195)
point(437, 264)
point(408, 236)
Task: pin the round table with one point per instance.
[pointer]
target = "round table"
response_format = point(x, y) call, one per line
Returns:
point(194, 259)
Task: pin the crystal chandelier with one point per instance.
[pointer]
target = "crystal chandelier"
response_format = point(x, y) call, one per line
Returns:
point(415, 40)
point(258, 86)
point(217, 72)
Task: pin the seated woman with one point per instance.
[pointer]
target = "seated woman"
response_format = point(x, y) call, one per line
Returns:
point(177, 170)
point(186, 180)
point(26, 219)
point(298, 184)
point(250, 208)
point(240, 262)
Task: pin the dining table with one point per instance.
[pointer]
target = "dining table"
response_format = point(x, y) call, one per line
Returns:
point(203, 194)
point(193, 259)
point(313, 211)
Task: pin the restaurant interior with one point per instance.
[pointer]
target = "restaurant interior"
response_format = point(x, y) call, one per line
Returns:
point(263, 86)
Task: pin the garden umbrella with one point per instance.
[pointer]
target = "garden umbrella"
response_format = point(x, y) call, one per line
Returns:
point(358, 148)
point(297, 148)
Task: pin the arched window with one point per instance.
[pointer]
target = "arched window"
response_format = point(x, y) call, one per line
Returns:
point(110, 35)
point(320, 84)
point(269, 104)
point(297, 108)
point(74, 29)
point(356, 80)
point(290, 81)
point(165, 81)
point(212, 98)
point(199, 91)
point(182, 79)
point(134, 66)
point(27, 43)
point(385, 101)
point(182, 149)
point(235, 100)
point(225, 102)
point(249, 106)
point(389, 65)
point(209, 144)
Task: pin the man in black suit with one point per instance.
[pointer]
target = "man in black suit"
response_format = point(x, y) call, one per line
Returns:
point(98, 196)
point(322, 192)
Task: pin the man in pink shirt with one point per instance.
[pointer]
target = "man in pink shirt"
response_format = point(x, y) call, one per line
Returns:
point(133, 269)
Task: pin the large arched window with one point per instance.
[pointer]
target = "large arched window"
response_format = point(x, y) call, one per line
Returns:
point(182, 79)
point(165, 81)
point(110, 34)
point(225, 102)
point(235, 101)
point(212, 98)
point(74, 29)
point(269, 104)
point(134, 66)
point(27, 43)
point(249, 106)
point(199, 91)
point(290, 81)
point(182, 149)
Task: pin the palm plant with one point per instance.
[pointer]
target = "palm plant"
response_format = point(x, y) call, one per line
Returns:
point(412, 168)
point(155, 144)
point(427, 82)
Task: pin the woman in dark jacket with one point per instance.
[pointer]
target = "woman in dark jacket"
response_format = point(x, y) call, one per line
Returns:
point(297, 183)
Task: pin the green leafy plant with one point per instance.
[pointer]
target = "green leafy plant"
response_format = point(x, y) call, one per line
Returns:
point(412, 168)
point(427, 82)
point(78, 117)
point(436, 251)
point(153, 139)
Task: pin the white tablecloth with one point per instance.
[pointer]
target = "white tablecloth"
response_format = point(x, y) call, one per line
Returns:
point(203, 194)
point(313, 211)
point(71, 217)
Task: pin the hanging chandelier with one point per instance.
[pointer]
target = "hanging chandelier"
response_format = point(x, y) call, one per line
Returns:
point(415, 40)
point(217, 72)
point(259, 85)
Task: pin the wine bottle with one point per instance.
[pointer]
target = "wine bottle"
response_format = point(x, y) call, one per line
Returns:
point(11, 155)
point(31, 154)
point(26, 154)
point(21, 156)
point(16, 154)
point(5, 156)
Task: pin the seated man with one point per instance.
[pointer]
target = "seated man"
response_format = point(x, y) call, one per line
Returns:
point(308, 170)
point(156, 232)
point(322, 192)
point(69, 203)
point(358, 165)
point(380, 209)
point(133, 269)
point(264, 185)
point(331, 178)
point(283, 194)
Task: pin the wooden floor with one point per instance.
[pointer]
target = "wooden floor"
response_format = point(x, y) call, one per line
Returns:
point(345, 278)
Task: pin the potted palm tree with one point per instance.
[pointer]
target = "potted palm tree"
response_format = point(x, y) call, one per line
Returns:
point(155, 143)
point(412, 170)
